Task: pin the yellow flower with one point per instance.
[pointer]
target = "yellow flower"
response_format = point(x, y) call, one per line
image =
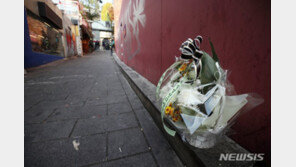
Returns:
point(175, 118)
point(167, 110)
point(183, 67)
point(171, 111)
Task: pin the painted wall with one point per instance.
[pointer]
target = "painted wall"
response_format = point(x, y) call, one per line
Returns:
point(31, 58)
point(69, 34)
point(148, 35)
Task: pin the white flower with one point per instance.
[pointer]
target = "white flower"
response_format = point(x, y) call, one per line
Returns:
point(189, 96)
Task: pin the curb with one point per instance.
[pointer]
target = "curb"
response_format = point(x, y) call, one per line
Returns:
point(186, 155)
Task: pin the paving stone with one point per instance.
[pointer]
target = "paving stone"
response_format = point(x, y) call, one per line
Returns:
point(32, 91)
point(126, 86)
point(117, 99)
point(89, 126)
point(116, 84)
point(103, 124)
point(53, 97)
point(49, 154)
point(84, 112)
point(79, 91)
point(37, 116)
point(129, 91)
point(140, 160)
point(29, 104)
point(47, 131)
point(99, 92)
point(76, 103)
point(92, 149)
point(41, 111)
point(94, 95)
point(126, 142)
point(112, 79)
point(164, 154)
point(116, 92)
point(136, 103)
point(31, 100)
point(43, 105)
point(121, 121)
point(76, 99)
point(85, 89)
point(119, 108)
point(96, 101)
point(132, 96)
point(100, 84)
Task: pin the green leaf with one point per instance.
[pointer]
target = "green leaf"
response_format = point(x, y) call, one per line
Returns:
point(208, 69)
point(215, 56)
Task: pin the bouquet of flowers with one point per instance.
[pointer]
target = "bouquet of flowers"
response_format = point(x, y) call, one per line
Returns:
point(194, 101)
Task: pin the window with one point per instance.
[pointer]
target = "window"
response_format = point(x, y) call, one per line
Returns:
point(44, 37)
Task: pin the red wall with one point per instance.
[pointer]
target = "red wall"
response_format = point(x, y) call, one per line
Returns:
point(239, 30)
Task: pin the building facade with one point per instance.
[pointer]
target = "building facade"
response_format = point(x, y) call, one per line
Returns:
point(72, 20)
point(43, 33)
point(101, 30)
point(53, 31)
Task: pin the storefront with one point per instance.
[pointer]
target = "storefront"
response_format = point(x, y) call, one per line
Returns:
point(43, 33)
point(44, 37)
point(86, 37)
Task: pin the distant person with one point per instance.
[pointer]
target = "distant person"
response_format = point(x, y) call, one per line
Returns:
point(97, 45)
point(112, 44)
point(106, 44)
point(91, 46)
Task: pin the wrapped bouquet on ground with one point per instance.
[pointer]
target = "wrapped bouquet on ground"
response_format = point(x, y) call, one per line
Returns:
point(194, 99)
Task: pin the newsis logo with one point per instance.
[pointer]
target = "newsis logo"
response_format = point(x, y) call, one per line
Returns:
point(241, 157)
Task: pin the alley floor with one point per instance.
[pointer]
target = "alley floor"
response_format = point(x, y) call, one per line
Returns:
point(82, 112)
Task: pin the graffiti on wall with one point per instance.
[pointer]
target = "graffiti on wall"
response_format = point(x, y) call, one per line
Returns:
point(130, 21)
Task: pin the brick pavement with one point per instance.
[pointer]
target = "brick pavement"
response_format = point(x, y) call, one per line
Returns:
point(88, 101)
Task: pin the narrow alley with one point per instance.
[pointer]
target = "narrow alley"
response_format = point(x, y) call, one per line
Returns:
point(82, 112)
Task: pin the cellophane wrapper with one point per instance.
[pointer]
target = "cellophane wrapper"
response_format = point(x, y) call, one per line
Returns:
point(201, 113)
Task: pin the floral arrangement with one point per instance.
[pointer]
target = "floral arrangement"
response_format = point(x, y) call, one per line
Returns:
point(194, 100)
